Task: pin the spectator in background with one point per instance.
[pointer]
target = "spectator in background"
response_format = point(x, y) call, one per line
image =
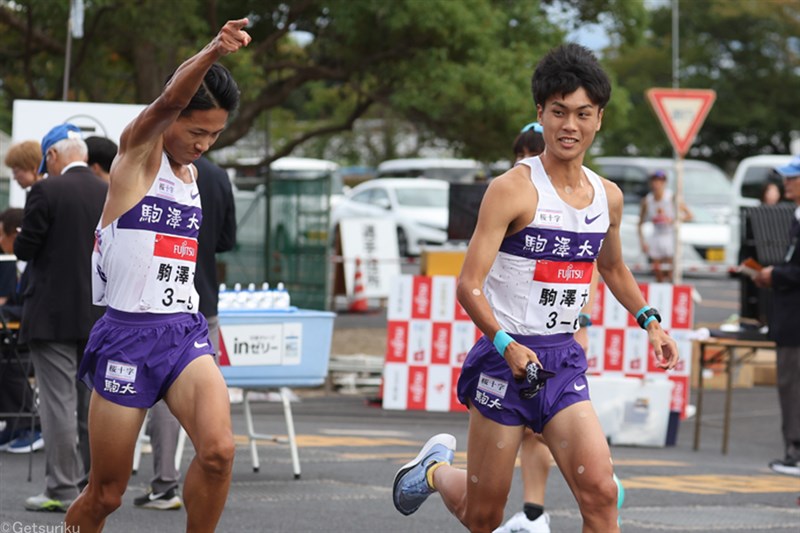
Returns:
point(658, 207)
point(16, 395)
point(529, 142)
point(217, 234)
point(56, 239)
point(102, 151)
point(784, 327)
point(23, 159)
point(770, 193)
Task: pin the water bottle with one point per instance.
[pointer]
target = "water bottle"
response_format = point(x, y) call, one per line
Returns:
point(282, 298)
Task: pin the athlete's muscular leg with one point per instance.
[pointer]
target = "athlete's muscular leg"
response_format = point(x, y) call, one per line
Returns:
point(113, 430)
point(199, 400)
point(478, 496)
point(579, 447)
point(536, 461)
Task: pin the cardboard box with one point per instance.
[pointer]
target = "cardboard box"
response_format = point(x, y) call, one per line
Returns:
point(442, 262)
point(765, 371)
point(715, 375)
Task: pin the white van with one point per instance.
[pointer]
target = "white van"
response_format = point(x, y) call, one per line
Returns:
point(750, 176)
point(440, 168)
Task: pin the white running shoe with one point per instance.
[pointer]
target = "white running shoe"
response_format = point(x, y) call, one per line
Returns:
point(519, 523)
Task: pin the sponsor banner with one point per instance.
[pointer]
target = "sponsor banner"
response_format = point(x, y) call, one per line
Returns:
point(429, 336)
point(417, 388)
point(395, 386)
point(443, 289)
point(421, 298)
point(254, 344)
point(438, 393)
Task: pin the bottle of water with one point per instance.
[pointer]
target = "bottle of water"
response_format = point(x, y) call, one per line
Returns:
point(282, 298)
point(266, 300)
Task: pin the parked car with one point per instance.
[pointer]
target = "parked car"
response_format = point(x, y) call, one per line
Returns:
point(707, 192)
point(417, 206)
point(448, 169)
point(748, 181)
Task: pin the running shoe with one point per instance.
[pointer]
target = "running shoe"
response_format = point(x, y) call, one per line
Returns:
point(788, 466)
point(162, 501)
point(411, 487)
point(42, 502)
point(28, 442)
point(519, 523)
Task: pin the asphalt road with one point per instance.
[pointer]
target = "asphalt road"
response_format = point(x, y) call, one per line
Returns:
point(350, 449)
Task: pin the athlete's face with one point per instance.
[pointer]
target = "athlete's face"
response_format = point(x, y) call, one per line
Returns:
point(570, 122)
point(192, 135)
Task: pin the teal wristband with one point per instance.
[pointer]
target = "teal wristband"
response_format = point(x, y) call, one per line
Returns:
point(501, 341)
point(642, 310)
point(649, 319)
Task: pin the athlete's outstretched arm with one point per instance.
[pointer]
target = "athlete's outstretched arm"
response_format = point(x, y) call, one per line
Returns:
point(142, 137)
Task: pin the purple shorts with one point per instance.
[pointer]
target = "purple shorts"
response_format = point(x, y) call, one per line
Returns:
point(487, 383)
point(132, 359)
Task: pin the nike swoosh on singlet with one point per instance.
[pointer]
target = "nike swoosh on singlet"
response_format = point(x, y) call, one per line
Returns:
point(590, 220)
point(194, 195)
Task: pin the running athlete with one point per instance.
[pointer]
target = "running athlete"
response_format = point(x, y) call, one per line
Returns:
point(526, 275)
point(658, 207)
point(152, 343)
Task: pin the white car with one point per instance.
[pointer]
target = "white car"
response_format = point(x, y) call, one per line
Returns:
point(418, 206)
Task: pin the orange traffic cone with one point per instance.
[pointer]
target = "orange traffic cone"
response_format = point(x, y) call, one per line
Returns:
point(358, 304)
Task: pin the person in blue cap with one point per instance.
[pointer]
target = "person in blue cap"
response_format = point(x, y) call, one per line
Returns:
point(56, 239)
point(784, 326)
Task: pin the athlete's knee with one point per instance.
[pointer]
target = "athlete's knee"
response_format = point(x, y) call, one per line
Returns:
point(102, 499)
point(596, 493)
point(216, 456)
point(483, 519)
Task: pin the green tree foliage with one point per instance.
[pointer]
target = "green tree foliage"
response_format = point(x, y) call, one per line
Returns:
point(746, 50)
point(460, 70)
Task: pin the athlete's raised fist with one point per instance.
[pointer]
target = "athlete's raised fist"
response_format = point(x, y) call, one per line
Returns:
point(232, 37)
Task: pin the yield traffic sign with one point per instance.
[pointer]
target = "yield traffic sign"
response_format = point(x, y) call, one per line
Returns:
point(681, 112)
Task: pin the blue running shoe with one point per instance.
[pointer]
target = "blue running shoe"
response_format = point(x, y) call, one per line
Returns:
point(411, 487)
point(30, 441)
point(620, 498)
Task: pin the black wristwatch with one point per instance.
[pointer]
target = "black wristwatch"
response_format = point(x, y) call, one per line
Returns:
point(647, 316)
point(584, 320)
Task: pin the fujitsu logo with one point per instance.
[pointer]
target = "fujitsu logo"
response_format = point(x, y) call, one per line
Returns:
point(614, 349)
point(398, 341)
point(682, 308)
point(441, 343)
point(570, 273)
point(423, 298)
point(417, 386)
point(184, 249)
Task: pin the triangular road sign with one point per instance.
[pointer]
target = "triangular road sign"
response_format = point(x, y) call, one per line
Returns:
point(681, 112)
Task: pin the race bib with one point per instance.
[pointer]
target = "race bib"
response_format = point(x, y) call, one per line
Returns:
point(558, 292)
point(170, 280)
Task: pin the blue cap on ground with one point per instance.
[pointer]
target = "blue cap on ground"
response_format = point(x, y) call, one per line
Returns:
point(791, 170)
point(59, 133)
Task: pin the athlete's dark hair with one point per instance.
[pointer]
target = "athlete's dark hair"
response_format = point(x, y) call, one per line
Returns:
point(102, 151)
point(529, 141)
point(218, 91)
point(567, 68)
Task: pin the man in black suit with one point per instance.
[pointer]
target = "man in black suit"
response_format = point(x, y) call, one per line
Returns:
point(56, 238)
point(784, 327)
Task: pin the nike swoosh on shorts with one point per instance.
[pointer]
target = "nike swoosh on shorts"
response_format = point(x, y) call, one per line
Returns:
point(199, 345)
point(578, 387)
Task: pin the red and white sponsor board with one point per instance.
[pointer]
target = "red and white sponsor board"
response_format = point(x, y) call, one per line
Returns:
point(429, 335)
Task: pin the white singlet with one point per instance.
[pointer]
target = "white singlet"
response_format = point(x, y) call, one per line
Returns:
point(541, 276)
point(144, 261)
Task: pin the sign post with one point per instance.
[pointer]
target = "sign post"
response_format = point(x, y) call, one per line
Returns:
point(681, 113)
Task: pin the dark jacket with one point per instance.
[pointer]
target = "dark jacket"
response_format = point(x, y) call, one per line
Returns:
point(784, 324)
point(57, 237)
point(217, 231)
